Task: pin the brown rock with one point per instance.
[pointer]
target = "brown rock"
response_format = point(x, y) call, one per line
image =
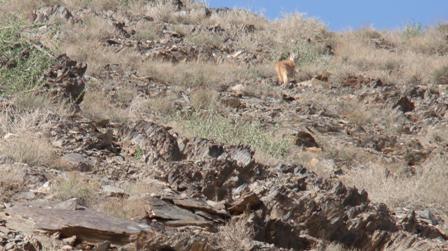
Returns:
point(66, 79)
point(232, 102)
point(172, 214)
point(245, 202)
point(305, 139)
point(70, 240)
point(404, 105)
point(155, 141)
point(193, 204)
point(75, 162)
point(85, 224)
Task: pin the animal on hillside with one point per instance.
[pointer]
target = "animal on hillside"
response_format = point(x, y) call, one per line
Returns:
point(286, 69)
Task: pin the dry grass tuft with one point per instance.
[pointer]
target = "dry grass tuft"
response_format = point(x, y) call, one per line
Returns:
point(225, 130)
point(232, 235)
point(98, 107)
point(30, 149)
point(123, 208)
point(440, 76)
point(204, 99)
point(74, 185)
point(425, 189)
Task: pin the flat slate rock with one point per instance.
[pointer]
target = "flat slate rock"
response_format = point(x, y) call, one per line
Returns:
point(199, 205)
point(86, 224)
point(160, 209)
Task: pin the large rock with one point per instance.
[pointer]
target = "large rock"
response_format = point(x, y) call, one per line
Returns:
point(171, 214)
point(66, 79)
point(85, 224)
point(153, 140)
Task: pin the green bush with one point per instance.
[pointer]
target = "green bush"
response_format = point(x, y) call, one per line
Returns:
point(21, 64)
point(413, 30)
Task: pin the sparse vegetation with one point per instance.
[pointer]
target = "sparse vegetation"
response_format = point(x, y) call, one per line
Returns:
point(209, 73)
point(123, 208)
point(75, 185)
point(97, 107)
point(21, 63)
point(204, 99)
point(28, 148)
point(419, 191)
point(441, 76)
point(225, 130)
point(232, 235)
point(412, 30)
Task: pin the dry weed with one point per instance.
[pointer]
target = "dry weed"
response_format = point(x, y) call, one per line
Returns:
point(132, 209)
point(28, 148)
point(232, 235)
point(27, 102)
point(74, 185)
point(237, 18)
point(425, 189)
point(204, 99)
point(98, 107)
point(25, 122)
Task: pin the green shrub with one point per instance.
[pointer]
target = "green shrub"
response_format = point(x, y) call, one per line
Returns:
point(21, 64)
point(413, 30)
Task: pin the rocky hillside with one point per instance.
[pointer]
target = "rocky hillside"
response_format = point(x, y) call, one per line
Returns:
point(159, 125)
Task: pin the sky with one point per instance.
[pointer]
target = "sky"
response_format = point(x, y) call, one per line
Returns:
point(341, 15)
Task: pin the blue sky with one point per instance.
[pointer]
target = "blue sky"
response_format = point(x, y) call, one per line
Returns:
point(345, 14)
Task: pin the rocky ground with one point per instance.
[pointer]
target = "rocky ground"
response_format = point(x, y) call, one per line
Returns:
point(159, 125)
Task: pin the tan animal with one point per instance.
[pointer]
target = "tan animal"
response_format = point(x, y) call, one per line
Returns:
point(286, 69)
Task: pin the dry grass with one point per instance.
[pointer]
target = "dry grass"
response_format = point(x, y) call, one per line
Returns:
point(165, 11)
point(212, 125)
point(204, 99)
point(11, 180)
point(98, 107)
point(83, 42)
point(28, 148)
point(74, 185)
point(25, 141)
point(232, 235)
point(237, 18)
point(163, 107)
point(134, 206)
point(424, 190)
point(29, 102)
point(409, 56)
point(193, 74)
point(440, 76)
point(148, 31)
point(133, 209)
point(11, 122)
point(208, 39)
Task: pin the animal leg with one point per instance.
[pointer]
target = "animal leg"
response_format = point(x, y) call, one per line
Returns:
point(285, 77)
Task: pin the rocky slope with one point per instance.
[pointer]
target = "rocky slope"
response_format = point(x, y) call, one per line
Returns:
point(182, 140)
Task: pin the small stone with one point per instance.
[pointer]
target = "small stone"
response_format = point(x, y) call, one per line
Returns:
point(112, 191)
point(75, 161)
point(404, 105)
point(70, 240)
point(67, 248)
point(103, 246)
point(10, 245)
